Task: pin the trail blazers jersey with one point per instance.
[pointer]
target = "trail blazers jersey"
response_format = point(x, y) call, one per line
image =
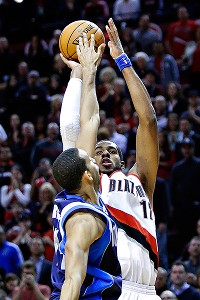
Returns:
point(127, 202)
point(103, 278)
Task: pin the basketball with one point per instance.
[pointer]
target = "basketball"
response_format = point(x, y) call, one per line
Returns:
point(69, 37)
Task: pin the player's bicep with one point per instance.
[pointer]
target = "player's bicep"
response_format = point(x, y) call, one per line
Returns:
point(81, 231)
point(147, 156)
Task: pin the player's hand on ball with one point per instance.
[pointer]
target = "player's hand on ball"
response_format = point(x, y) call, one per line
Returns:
point(70, 63)
point(86, 51)
point(114, 44)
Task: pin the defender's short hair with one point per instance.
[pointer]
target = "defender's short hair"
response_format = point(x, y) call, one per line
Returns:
point(68, 169)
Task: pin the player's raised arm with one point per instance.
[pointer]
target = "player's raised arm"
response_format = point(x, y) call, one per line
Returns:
point(82, 229)
point(146, 139)
point(89, 111)
point(70, 109)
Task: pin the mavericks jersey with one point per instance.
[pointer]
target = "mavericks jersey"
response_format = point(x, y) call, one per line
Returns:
point(103, 278)
point(137, 250)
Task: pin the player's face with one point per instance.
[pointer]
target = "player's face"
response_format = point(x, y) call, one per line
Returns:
point(92, 167)
point(107, 157)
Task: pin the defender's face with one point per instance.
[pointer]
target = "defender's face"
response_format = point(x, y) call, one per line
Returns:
point(92, 167)
point(107, 157)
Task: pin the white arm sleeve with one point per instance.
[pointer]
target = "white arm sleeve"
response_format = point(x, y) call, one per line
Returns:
point(70, 113)
point(23, 198)
point(6, 196)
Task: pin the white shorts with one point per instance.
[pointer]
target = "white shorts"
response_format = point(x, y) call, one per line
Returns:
point(136, 291)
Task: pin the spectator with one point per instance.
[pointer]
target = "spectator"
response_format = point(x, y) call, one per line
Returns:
point(30, 97)
point(41, 207)
point(192, 265)
point(131, 144)
point(14, 213)
point(161, 281)
point(40, 128)
point(125, 121)
point(48, 239)
point(21, 234)
point(10, 93)
point(198, 280)
point(193, 110)
point(49, 147)
point(185, 130)
point(8, 60)
point(168, 295)
point(195, 64)
point(167, 156)
point(128, 41)
point(175, 101)
point(29, 288)
point(126, 10)
point(3, 135)
point(11, 258)
point(164, 64)
point(162, 210)
point(17, 191)
point(94, 9)
point(54, 42)
point(14, 131)
point(11, 282)
point(6, 163)
point(23, 147)
point(60, 69)
point(150, 81)
point(43, 266)
point(179, 285)
point(54, 86)
point(145, 36)
point(119, 139)
point(37, 55)
point(179, 33)
point(160, 106)
point(22, 72)
point(184, 191)
point(141, 63)
point(130, 161)
point(54, 115)
point(172, 130)
point(70, 11)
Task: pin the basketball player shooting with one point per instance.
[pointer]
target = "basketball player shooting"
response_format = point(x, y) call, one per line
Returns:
point(85, 264)
point(130, 198)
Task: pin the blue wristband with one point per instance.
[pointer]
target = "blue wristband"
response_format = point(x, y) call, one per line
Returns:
point(123, 61)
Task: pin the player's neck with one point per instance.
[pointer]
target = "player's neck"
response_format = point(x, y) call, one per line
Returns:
point(89, 195)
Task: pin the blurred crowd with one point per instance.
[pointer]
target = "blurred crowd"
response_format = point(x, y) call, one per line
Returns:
point(162, 39)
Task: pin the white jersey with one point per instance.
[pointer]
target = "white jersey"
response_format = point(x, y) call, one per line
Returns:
point(137, 246)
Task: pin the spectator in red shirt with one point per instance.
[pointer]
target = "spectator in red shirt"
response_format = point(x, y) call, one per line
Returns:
point(179, 33)
point(29, 288)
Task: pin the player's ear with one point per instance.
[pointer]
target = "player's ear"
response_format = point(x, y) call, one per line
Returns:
point(87, 177)
point(122, 165)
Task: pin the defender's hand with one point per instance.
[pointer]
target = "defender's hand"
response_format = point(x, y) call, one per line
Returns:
point(114, 44)
point(86, 52)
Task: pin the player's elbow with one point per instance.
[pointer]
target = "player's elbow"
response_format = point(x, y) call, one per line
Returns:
point(149, 121)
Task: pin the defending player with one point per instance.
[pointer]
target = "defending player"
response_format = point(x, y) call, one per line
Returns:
point(85, 264)
point(130, 198)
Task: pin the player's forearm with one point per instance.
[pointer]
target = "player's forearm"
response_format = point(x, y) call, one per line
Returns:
point(89, 104)
point(139, 95)
point(89, 120)
point(70, 289)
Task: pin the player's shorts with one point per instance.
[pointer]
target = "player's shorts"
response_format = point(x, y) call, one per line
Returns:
point(136, 291)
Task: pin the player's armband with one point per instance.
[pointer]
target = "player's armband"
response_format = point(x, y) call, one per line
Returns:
point(123, 61)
